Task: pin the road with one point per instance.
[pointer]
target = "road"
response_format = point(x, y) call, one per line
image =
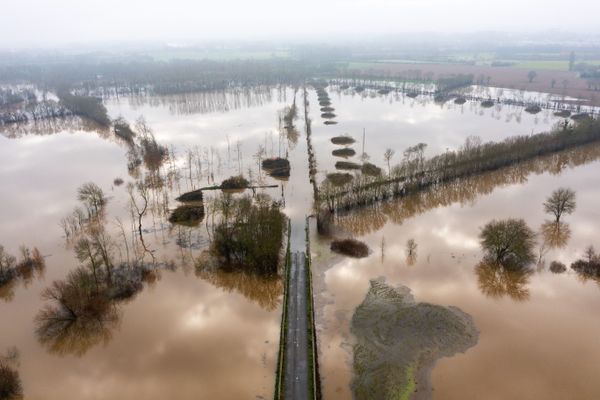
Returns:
point(296, 361)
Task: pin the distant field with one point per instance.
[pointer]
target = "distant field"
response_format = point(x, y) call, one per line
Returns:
point(547, 65)
point(218, 55)
point(557, 81)
point(556, 65)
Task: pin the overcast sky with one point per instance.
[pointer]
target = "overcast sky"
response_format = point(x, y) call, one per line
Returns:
point(59, 22)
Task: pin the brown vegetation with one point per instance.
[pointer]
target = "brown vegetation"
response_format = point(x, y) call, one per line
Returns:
point(508, 77)
point(350, 247)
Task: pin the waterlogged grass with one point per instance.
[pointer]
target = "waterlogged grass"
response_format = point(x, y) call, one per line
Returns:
point(397, 339)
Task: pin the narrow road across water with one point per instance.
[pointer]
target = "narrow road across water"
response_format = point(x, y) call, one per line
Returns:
point(296, 362)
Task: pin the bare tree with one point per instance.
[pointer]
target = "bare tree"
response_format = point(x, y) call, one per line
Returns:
point(561, 201)
point(93, 197)
point(389, 153)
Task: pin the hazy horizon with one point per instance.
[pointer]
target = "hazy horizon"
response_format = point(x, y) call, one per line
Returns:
point(41, 23)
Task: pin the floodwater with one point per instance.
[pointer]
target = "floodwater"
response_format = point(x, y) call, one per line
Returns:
point(206, 335)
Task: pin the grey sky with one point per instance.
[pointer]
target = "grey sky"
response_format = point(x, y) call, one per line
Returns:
point(57, 22)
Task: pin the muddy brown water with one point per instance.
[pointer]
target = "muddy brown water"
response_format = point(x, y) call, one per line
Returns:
point(190, 335)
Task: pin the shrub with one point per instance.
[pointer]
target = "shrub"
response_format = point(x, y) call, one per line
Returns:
point(123, 130)
point(194, 195)
point(343, 140)
point(275, 163)
point(346, 152)
point(350, 247)
point(508, 242)
point(347, 165)
point(563, 113)
point(534, 109)
point(277, 167)
point(557, 267)
point(339, 178)
point(235, 182)
point(590, 267)
point(370, 169)
point(187, 215)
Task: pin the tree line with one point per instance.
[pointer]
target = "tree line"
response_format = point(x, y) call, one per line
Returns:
point(415, 172)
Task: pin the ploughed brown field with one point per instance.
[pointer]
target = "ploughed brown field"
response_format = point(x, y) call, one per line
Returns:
point(506, 77)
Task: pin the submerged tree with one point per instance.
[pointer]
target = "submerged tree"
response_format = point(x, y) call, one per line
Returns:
point(93, 197)
point(508, 242)
point(389, 153)
point(10, 383)
point(561, 201)
point(250, 235)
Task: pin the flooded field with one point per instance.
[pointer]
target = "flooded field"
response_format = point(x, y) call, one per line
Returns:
point(190, 333)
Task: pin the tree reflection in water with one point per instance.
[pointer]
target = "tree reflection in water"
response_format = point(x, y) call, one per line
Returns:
point(497, 281)
point(266, 291)
point(555, 235)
